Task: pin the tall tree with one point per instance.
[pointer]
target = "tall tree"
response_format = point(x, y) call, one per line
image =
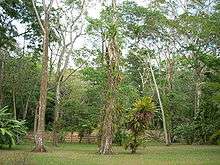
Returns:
point(112, 56)
point(39, 145)
point(73, 29)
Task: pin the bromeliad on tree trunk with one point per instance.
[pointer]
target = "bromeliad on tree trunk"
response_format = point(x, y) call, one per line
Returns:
point(112, 60)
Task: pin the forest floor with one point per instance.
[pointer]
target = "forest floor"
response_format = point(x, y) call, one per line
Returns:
point(85, 154)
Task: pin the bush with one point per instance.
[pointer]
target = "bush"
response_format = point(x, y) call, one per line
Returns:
point(215, 138)
point(185, 132)
point(119, 137)
point(10, 129)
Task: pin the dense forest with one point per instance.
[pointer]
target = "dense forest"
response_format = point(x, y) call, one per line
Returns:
point(117, 68)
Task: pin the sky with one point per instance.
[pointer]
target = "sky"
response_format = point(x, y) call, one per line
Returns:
point(96, 8)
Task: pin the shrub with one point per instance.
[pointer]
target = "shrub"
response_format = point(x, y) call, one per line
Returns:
point(10, 129)
point(185, 132)
point(119, 136)
point(137, 122)
point(215, 138)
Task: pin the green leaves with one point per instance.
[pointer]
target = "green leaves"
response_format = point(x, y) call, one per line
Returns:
point(138, 119)
point(144, 105)
point(3, 130)
point(106, 26)
point(140, 22)
point(10, 129)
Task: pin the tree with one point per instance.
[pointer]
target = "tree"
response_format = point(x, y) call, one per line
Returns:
point(136, 19)
point(12, 11)
point(40, 115)
point(112, 58)
point(73, 28)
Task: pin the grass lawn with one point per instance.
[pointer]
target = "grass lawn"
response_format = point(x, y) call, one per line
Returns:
point(85, 154)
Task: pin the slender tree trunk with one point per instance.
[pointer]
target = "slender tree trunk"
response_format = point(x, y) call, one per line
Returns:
point(60, 73)
point(27, 102)
point(170, 65)
point(198, 72)
point(198, 94)
point(39, 145)
point(142, 83)
point(170, 73)
point(161, 105)
point(71, 137)
point(26, 107)
point(198, 77)
point(22, 102)
point(36, 118)
point(1, 78)
point(14, 103)
point(56, 114)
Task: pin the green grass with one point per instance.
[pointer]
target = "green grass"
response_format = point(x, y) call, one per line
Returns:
point(85, 154)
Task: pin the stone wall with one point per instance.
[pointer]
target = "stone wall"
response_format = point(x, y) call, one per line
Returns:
point(71, 137)
point(92, 138)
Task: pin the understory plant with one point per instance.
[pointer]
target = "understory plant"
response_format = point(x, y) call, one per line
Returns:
point(10, 129)
point(137, 122)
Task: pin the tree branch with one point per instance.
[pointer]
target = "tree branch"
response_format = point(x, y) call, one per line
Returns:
point(74, 71)
point(38, 16)
point(49, 6)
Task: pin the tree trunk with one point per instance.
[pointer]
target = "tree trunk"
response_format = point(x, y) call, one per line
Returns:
point(161, 105)
point(1, 78)
point(56, 114)
point(36, 119)
point(59, 76)
point(134, 145)
point(107, 128)
point(170, 71)
point(112, 60)
point(198, 72)
point(14, 103)
point(39, 146)
point(88, 136)
point(60, 73)
point(197, 96)
point(71, 137)
point(57, 102)
point(142, 87)
point(26, 107)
